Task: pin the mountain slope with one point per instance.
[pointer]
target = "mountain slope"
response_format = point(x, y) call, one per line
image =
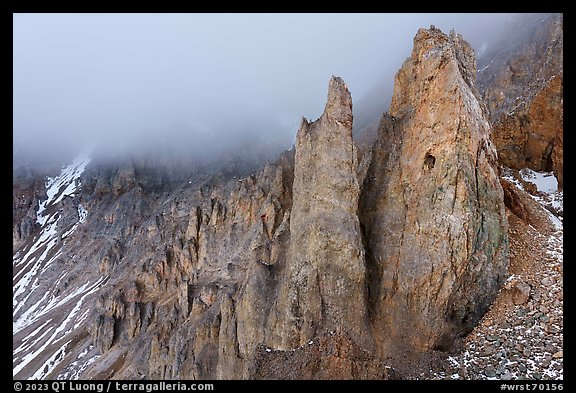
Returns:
point(333, 262)
point(522, 84)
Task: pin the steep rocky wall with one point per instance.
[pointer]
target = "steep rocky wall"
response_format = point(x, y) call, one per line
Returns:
point(431, 206)
point(206, 274)
point(522, 84)
point(26, 195)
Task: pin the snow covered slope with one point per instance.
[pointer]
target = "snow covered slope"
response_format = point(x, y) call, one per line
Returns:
point(548, 194)
point(45, 310)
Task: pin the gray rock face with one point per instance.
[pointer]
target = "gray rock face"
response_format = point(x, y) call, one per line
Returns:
point(326, 272)
point(28, 190)
point(104, 332)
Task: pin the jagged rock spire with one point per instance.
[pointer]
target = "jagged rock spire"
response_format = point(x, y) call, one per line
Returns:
point(325, 287)
point(432, 206)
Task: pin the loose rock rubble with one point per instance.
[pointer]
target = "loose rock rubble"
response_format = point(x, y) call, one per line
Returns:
point(521, 337)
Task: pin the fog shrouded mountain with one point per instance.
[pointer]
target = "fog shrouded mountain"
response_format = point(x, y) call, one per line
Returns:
point(199, 81)
point(415, 234)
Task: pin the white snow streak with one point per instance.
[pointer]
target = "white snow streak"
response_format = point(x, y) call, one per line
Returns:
point(25, 344)
point(31, 261)
point(82, 213)
point(63, 185)
point(25, 281)
point(54, 360)
point(51, 363)
point(75, 374)
point(547, 185)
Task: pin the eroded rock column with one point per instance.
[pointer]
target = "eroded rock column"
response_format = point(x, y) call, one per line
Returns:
point(324, 288)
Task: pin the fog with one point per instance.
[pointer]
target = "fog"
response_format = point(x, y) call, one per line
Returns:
point(202, 81)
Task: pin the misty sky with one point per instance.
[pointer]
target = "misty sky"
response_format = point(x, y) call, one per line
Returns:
point(113, 76)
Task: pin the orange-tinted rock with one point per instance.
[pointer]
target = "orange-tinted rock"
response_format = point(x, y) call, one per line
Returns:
point(532, 138)
point(522, 84)
point(558, 159)
point(432, 206)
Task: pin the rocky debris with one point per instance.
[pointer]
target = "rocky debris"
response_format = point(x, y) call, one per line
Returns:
point(525, 199)
point(521, 336)
point(543, 187)
point(520, 291)
point(522, 205)
point(522, 84)
point(432, 207)
point(331, 355)
point(325, 265)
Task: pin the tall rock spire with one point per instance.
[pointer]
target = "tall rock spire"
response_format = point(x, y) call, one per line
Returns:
point(325, 285)
point(431, 205)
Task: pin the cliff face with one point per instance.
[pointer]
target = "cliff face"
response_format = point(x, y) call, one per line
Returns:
point(26, 194)
point(522, 85)
point(328, 263)
point(207, 266)
point(432, 206)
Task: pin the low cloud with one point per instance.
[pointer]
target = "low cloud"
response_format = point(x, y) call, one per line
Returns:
point(202, 82)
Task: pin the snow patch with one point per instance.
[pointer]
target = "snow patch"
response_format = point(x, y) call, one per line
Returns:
point(51, 363)
point(83, 353)
point(65, 184)
point(545, 181)
point(76, 374)
point(48, 232)
point(482, 50)
point(453, 362)
point(57, 357)
point(82, 213)
point(550, 197)
point(25, 345)
point(33, 263)
point(530, 328)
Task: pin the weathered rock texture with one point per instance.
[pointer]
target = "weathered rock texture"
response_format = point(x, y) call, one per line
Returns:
point(522, 84)
point(432, 206)
point(315, 266)
point(26, 193)
point(333, 355)
point(326, 271)
point(207, 265)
